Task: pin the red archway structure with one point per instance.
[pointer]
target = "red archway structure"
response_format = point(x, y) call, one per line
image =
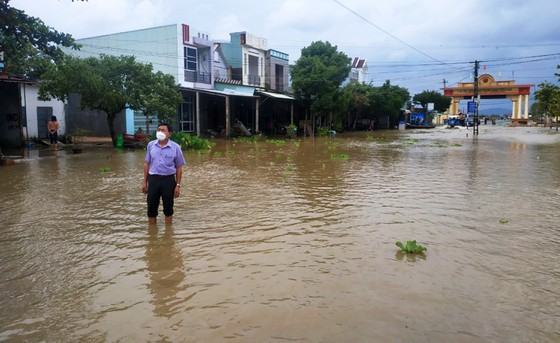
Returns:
point(489, 88)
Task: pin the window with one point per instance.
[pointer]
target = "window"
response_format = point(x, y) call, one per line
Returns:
point(190, 58)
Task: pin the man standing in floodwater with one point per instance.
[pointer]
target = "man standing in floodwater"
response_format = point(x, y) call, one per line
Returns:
point(163, 170)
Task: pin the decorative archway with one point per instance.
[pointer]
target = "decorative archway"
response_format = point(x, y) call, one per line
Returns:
point(489, 88)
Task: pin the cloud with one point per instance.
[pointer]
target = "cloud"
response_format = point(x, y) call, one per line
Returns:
point(446, 30)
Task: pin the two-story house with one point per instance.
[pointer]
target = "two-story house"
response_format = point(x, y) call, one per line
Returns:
point(244, 55)
point(178, 50)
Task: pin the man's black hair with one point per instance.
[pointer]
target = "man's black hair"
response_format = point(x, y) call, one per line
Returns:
point(169, 128)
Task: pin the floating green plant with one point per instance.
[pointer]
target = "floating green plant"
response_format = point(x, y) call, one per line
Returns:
point(290, 167)
point(217, 154)
point(411, 141)
point(503, 221)
point(411, 247)
point(339, 157)
point(104, 169)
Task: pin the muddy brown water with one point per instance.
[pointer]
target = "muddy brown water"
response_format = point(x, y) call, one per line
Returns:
point(291, 242)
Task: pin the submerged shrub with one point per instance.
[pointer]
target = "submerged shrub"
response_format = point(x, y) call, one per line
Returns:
point(188, 141)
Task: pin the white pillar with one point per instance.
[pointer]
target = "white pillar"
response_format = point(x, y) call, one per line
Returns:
point(227, 117)
point(198, 113)
point(519, 108)
point(513, 108)
point(257, 115)
point(527, 106)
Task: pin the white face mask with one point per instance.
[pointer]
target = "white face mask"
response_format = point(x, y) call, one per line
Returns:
point(160, 136)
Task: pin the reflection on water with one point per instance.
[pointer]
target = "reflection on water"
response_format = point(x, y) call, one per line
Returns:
point(167, 273)
point(290, 241)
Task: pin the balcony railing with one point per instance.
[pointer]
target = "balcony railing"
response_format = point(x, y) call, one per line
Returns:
point(254, 80)
point(193, 76)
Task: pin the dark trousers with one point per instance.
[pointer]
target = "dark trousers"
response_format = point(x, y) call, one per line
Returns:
point(161, 186)
point(53, 137)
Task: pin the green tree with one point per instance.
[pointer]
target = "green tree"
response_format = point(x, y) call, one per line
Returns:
point(441, 102)
point(356, 103)
point(28, 44)
point(110, 84)
point(389, 100)
point(548, 97)
point(317, 76)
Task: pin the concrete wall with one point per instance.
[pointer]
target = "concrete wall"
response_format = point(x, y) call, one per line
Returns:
point(261, 55)
point(232, 51)
point(30, 100)
point(161, 46)
point(89, 122)
point(271, 76)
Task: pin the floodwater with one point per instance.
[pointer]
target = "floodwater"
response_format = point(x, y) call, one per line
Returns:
point(291, 242)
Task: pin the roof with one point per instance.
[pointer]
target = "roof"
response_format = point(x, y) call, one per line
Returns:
point(358, 63)
point(226, 92)
point(276, 95)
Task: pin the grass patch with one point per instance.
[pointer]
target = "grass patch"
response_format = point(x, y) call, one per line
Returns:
point(246, 139)
point(339, 156)
point(411, 247)
point(276, 141)
point(445, 145)
point(503, 221)
point(105, 169)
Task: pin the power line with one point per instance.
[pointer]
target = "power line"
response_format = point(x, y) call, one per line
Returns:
point(387, 32)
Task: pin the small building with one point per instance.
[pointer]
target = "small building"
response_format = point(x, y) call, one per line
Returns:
point(359, 71)
point(23, 116)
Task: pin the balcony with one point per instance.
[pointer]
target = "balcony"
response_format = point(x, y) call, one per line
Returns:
point(254, 80)
point(193, 76)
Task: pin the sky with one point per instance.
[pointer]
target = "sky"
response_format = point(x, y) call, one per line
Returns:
point(415, 44)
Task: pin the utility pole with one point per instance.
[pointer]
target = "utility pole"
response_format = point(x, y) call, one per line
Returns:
point(444, 85)
point(476, 98)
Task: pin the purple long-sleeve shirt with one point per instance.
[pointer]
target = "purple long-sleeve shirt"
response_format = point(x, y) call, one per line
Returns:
point(164, 160)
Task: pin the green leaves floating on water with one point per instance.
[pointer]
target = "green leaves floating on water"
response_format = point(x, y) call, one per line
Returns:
point(411, 141)
point(104, 169)
point(339, 157)
point(411, 247)
point(503, 221)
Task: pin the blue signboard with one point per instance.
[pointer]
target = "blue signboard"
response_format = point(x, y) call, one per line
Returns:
point(471, 107)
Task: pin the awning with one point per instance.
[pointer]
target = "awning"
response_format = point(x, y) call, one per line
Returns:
point(234, 89)
point(226, 92)
point(276, 95)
